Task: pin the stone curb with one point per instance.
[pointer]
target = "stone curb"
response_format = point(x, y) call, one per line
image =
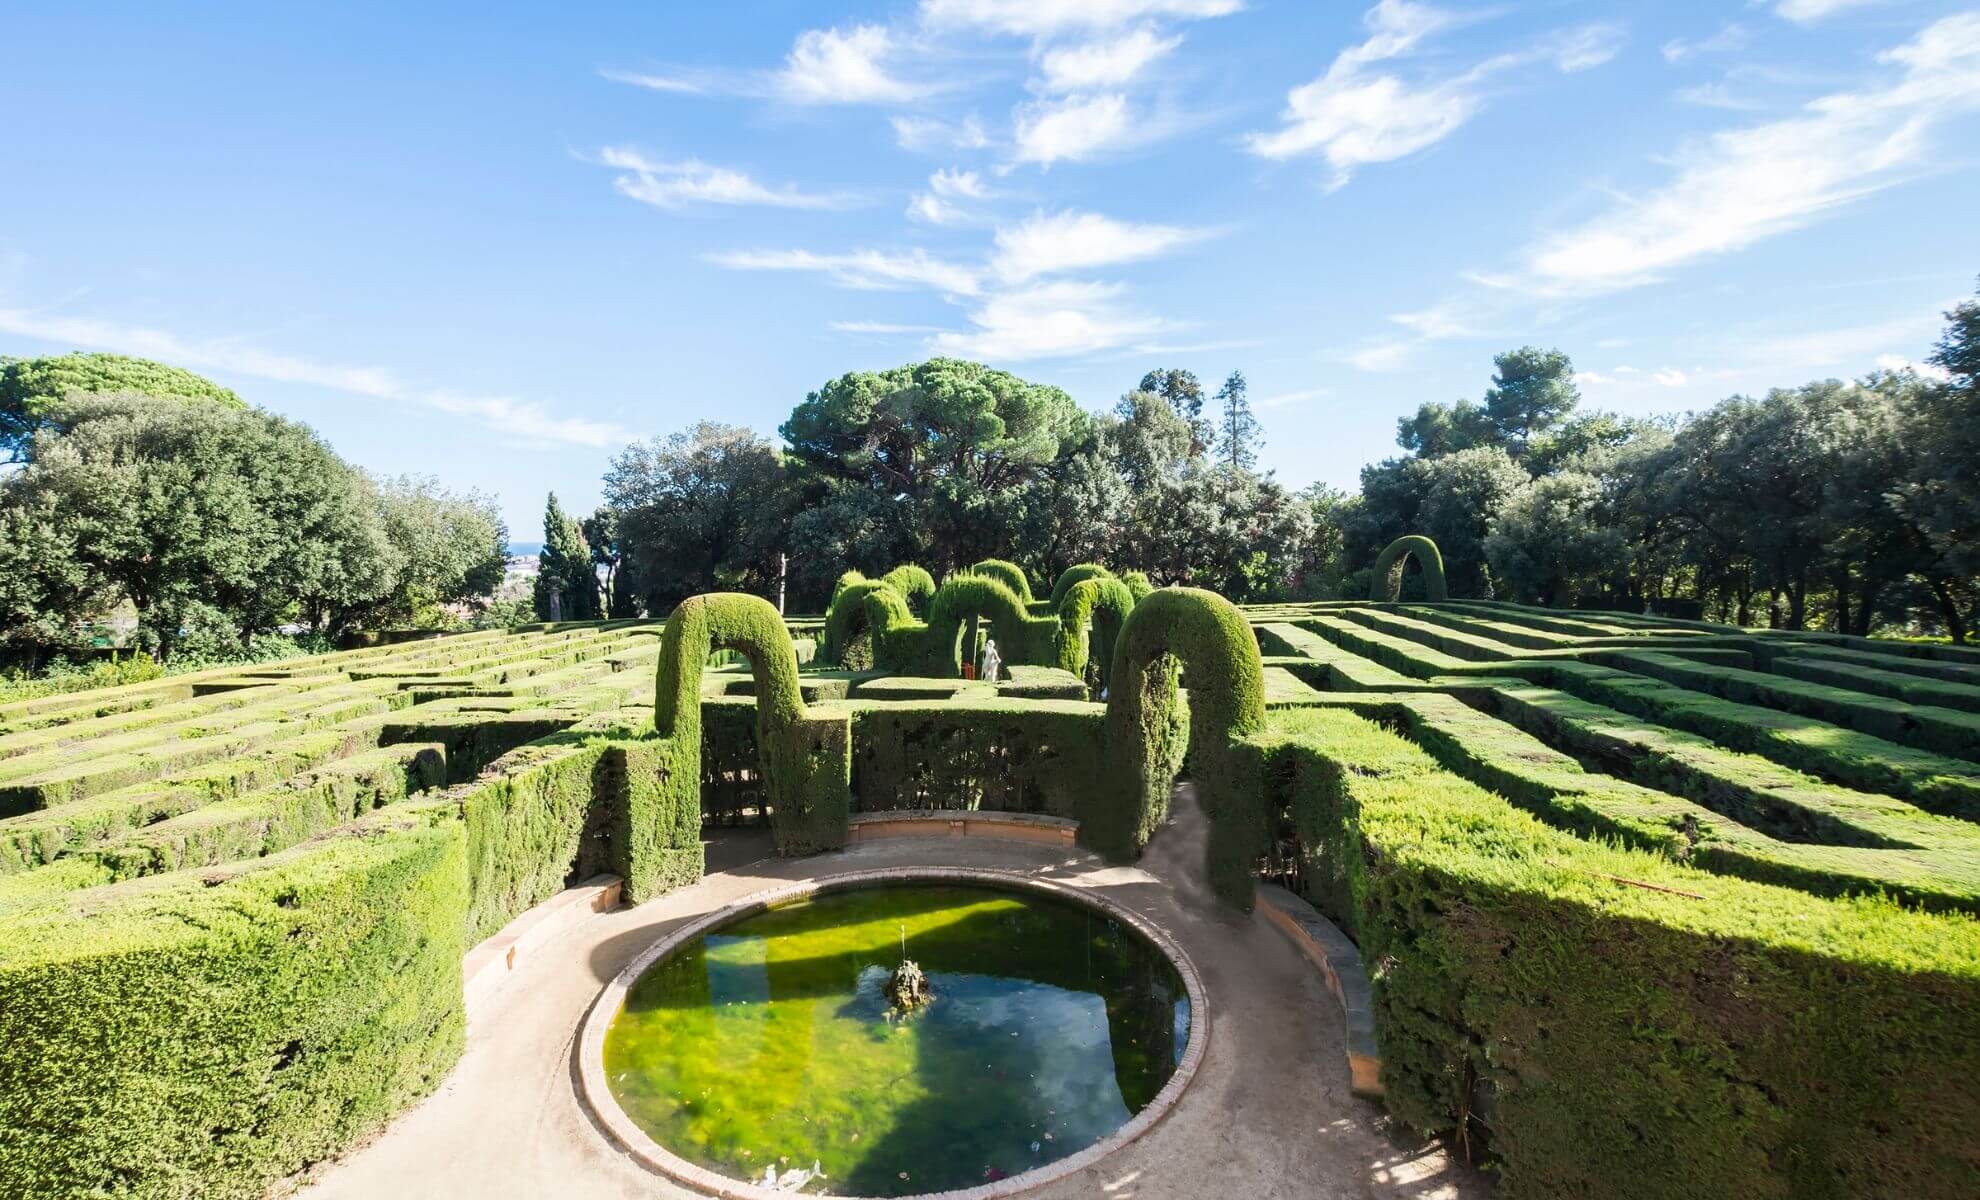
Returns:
point(490, 962)
point(1016, 827)
point(1339, 961)
point(597, 1096)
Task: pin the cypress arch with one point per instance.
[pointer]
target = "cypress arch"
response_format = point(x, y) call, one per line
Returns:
point(1009, 574)
point(806, 754)
point(1103, 601)
point(913, 582)
point(1386, 581)
point(1211, 640)
point(1022, 637)
point(1072, 576)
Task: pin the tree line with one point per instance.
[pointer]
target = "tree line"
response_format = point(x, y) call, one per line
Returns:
point(1852, 506)
point(941, 463)
point(1848, 506)
point(217, 523)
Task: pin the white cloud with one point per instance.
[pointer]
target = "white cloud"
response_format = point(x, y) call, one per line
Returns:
point(953, 182)
point(503, 414)
point(867, 270)
point(658, 83)
point(1381, 357)
point(1058, 319)
point(1074, 241)
point(1352, 117)
point(1741, 186)
point(1669, 377)
point(1438, 322)
point(1103, 64)
point(931, 209)
point(1586, 47)
point(923, 134)
point(1591, 379)
point(1898, 362)
point(1805, 11)
point(829, 66)
point(1071, 129)
point(935, 206)
point(1728, 39)
point(1046, 18)
point(691, 181)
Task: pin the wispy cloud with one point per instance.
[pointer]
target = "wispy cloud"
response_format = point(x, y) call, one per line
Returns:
point(867, 270)
point(938, 205)
point(923, 134)
point(1048, 18)
point(1057, 319)
point(883, 328)
point(691, 181)
point(1289, 399)
point(1381, 358)
point(503, 414)
point(1109, 62)
point(1728, 39)
point(1807, 11)
point(1744, 185)
point(1352, 117)
point(1074, 128)
point(1053, 243)
point(681, 84)
point(831, 66)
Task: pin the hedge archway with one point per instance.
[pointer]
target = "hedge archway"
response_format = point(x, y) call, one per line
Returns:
point(1105, 602)
point(1073, 575)
point(1021, 637)
point(1386, 581)
point(1211, 640)
point(806, 757)
point(1009, 574)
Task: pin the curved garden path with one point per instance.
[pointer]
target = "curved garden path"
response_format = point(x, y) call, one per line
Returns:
point(1269, 1115)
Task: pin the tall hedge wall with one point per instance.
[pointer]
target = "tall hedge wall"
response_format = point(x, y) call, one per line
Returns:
point(1612, 1023)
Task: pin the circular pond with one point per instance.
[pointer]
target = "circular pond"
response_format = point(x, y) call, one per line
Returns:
point(765, 1046)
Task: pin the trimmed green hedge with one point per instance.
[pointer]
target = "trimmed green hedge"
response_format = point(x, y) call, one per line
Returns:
point(1385, 581)
point(1072, 576)
point(806, 753)
point(1898, 685)
point(204, 1034)
point(1020, 637)
point(1208, 636)
point(1032, 756)
point(1101, 602)
point(1613, 1024)
point(1009, 574)
point(914, 583)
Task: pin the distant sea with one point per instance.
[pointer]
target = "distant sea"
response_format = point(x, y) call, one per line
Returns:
point(524, 549)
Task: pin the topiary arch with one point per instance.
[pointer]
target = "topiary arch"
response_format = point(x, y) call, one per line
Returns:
point(1386, 581)
point(806, 755)
point(1009, 574)
point(1021, 637)
point(914, 583)
point(1105, 603)
point(1219, 655)
point(1073, 575)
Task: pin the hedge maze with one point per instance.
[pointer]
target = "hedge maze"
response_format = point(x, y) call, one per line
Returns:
point(1653, 908)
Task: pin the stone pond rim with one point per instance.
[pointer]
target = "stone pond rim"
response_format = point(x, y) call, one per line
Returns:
point(596, 1093)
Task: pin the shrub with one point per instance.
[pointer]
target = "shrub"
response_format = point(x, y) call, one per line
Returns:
point(806, 755)
point(1621, 1025)
point(1385, 581)
point(1073, 575)
point(915, 585)
point(1009, 574)
point(1021, 637)
point(1102, 602)
point(1208, 636)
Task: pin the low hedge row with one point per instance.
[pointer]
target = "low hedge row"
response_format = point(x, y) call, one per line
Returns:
point(1949, 672)
point(1619, 1025)
point(1898, 685)
point(1941, 730)
point(995, 755)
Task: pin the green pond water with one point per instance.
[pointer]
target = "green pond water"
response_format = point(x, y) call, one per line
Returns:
point(768, 1045)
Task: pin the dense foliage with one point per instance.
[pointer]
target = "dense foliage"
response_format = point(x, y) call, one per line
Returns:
point(220, 525)
point(32, 388)
point(1851, 506)
point(947, 463)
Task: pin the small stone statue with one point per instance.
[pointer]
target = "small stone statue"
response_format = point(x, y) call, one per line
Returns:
point(992, 661)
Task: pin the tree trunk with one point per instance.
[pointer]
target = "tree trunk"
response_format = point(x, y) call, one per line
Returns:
point(1842, 601)
point(1949, 609)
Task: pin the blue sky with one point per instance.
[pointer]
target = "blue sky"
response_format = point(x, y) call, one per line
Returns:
point(495, 242)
